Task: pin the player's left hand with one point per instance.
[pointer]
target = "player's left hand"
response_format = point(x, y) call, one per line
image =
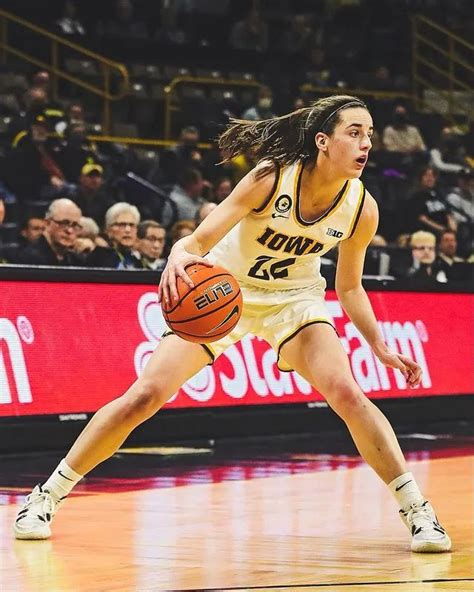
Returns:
point(410, 369)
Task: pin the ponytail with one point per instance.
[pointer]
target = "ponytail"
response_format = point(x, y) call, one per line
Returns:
point(289, 138)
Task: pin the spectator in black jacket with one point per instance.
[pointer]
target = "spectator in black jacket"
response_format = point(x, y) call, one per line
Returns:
point(55, 246)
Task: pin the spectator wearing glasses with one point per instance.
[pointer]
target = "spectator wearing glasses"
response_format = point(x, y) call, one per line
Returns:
point(150, 244)
point(55, 246)
point(424, 266)
point(121, 222)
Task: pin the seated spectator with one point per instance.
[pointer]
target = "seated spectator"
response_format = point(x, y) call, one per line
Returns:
point(447, 248)
point(150, 245)
point(31, 230)
point(403, 142)
point(460, 201)
point(298, 39)
point(121, 222)
point(263, 108)
point(34, 155)
point(318, 71)
point(75, 114)
point(169, 32)
point(123, 24)
point(250, 34)
point(90, 194)
point(181, 229)
point(378, 241)
point(55, 246)
point(187, 194)
point(222, 188)
point(427, 207)
point(423, 266)
point(88, 237)
point(184, 155)
point(204, 211)
point(34, 102)
point(69, 24)
point(76, 151)
point(449, 156)
point(240, 165)
point(381, 79)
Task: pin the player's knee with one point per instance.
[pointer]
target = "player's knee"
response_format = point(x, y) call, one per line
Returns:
point(144, 399)
point(344, 397)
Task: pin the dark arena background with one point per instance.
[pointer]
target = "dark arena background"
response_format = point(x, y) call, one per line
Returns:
point(246, 480)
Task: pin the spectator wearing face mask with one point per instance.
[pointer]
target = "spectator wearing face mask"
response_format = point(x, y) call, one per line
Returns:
point(263, 108)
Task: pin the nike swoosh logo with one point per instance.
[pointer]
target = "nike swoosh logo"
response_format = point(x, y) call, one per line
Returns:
point(232, 313)
point(63, 475)
point(400, 486)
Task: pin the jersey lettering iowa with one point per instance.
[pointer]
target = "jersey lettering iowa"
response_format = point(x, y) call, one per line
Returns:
point(298, 245)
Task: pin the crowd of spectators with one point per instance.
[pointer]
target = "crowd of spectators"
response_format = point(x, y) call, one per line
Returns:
point(69, 201)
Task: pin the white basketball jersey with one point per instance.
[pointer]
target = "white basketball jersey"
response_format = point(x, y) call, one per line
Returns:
point(275, 248)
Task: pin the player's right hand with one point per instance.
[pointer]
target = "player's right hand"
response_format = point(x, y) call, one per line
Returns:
point(176, 265)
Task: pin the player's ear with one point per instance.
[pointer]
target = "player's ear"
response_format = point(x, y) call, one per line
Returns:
point(321, 141)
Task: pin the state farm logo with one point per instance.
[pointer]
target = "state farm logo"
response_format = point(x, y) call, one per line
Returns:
point(14, 381)
point(249, 367)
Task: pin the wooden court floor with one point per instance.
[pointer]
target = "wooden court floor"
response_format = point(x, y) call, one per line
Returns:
point(331, 530)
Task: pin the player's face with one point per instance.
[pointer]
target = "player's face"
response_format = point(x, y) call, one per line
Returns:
point(350, 143)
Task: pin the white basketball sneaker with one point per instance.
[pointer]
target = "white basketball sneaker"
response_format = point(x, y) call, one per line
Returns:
point(428, 536)
point(34, 518)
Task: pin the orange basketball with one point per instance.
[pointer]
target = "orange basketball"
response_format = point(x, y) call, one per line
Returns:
point(210, 310)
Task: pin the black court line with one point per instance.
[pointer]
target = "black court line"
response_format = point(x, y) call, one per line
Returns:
point(315, 585)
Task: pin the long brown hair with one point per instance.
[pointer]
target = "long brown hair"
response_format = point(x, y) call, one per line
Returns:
point(288, 138)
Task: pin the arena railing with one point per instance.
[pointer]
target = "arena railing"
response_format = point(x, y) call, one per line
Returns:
point(108, 68)
point(442, 71)
point(170, 93)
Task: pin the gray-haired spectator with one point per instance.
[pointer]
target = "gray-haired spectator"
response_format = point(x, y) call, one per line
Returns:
point(55, 246)
point(121, 222)
point(88, 238)
point(150, 244)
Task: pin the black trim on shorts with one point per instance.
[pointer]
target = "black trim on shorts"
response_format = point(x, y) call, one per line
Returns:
point(203, 345)
point(294, 334)
point(271, 195)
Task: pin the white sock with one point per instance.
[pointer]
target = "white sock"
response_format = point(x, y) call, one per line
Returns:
point(405, 490)
point(61, 481)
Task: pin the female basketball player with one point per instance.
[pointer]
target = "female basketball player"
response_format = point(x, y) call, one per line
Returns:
point(270, 232)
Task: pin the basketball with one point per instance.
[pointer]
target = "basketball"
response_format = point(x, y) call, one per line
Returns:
point(210, 310)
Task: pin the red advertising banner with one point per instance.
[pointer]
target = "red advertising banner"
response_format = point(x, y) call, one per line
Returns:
point(70, 348)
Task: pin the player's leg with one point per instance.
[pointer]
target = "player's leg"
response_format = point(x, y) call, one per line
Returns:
point(317, 354)
point(172, 363)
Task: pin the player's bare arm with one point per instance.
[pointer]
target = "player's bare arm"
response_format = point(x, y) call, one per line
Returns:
point(249, 194)
point(354, 298)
